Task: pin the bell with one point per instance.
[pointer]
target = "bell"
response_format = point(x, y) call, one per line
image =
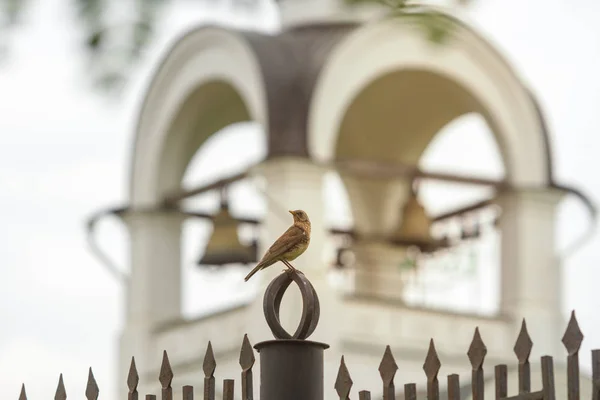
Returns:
point(224, 246)
point(415, 226)
point(339, 262)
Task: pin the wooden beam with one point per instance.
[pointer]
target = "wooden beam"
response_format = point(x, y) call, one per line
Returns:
point(381, 170)
point(359, 168)
point(174, 198)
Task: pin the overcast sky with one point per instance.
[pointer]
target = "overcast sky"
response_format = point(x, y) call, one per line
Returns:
point(64, 152)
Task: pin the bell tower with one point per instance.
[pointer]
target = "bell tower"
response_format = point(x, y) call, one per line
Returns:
point(305, 12)
point(332, 91)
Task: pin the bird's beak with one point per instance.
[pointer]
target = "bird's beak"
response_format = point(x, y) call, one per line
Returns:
point(291, 212)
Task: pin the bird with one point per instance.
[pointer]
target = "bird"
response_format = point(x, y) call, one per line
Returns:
point(289, 246)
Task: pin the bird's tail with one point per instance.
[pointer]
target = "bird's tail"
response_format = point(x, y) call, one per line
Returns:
point(258, 267)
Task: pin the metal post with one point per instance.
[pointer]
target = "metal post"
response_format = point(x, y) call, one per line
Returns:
point(291, 367)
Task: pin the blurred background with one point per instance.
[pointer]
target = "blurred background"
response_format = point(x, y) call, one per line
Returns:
point(68, 110)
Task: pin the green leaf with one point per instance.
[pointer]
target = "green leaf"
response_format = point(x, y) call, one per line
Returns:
point(393, 4)
point(95, 40)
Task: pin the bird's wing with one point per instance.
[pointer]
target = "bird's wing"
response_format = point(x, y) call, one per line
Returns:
point(287, 241)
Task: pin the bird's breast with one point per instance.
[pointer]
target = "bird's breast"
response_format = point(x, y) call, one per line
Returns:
point(297, 250)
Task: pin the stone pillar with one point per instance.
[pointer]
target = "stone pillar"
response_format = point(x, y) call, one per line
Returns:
point(377, 210)
point(531, 286)
point(293, 183)
point(376, 204)
point(378, 270)
point(153, 294)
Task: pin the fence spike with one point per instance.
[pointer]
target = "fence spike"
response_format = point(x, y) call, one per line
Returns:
point(387, 370)
point(133, 380)
point(343, 382)
point(572, 341)
point(23, 395)
point(522, 350)
point(61, 393)
point(246, 354)
point(364, 395)
point(150, 397)
point(188, 392)
point(573, 337)
point(477, 352)
point(209, 365)
point(523, 345)
point(431, 366)
point(91, 390)
point(247, 360)
point(165, 377)
point(228, 389)
point(166, 373)
point(596, 374)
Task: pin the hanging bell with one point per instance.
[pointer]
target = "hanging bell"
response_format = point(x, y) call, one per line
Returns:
point(340, 262)
point(224, 246)
point(415, 227)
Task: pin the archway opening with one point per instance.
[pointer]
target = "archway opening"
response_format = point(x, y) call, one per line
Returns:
point(338, 214)
point(473, 266)
point(227, 152)
point(211, 137)
point(209, 108)
point(395, 117)
point(419, 118)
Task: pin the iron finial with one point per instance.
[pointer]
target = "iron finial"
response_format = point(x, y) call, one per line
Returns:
point(23, 395)
point(61, 393)
point(343, 382)
point(209, 365)
point(133, 378)
point(432, 363)
point(310, 305)
point(477, 351)
point(388, 366)
point(573, 336)
point(247, 358)
point(91, 390)
point(166, 373)
point(523, 344)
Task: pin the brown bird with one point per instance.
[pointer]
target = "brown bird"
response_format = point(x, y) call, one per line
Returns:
point(289, 246)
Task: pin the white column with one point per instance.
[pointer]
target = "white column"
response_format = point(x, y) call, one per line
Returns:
point(377, 210)
point(376, 204)
point(377, 270)
point(531, 286)
point(153, 293)
point(293, 183)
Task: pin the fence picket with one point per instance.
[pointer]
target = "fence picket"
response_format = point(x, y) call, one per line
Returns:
point(572, 340)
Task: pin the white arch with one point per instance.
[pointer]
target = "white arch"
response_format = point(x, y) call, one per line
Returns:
point(394, 44)
point(201, 56)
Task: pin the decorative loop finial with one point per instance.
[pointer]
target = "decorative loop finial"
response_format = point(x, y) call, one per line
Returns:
point(310, 305)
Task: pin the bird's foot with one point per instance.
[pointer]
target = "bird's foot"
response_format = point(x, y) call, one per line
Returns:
point(292, 272)
point(291, 269)
point(290, 266)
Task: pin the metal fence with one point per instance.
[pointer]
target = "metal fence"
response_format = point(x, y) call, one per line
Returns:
point(292, 367)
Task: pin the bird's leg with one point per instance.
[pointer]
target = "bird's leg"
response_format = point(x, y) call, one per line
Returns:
point(290, 266)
